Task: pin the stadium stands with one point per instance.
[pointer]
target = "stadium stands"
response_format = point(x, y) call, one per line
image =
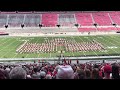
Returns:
point(3, 19)
point(15, 20)
point(32, 20)
point(62, 19)
point(102, 19)
point(66, 19)
point(84, 19)
point(63, 68)
point(49, 19)
point(115, 17)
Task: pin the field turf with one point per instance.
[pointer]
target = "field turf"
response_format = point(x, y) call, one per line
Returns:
point(8, 46)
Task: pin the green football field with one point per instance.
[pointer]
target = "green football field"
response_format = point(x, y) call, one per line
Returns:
point(8, 46)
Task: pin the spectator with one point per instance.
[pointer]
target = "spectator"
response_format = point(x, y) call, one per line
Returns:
point(81, 74)
point(2, 75)
point(115, 72)
point(87, 74)
point(107, 70)
point(48, 76)
point(65, 72)
point(42, 75)
point(95, 74)
point(18, 73)
point(35, 75)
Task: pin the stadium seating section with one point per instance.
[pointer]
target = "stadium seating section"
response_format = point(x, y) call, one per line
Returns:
point(66, 19)
point(87, 19)
point(84, 19)
point(49, 20)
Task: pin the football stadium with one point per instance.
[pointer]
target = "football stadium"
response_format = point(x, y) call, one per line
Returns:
point(77, 39)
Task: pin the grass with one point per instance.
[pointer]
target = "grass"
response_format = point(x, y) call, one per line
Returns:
point(8, 46)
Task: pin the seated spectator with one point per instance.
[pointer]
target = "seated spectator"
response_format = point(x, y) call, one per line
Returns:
point(115, 72)
point(107, 70)
point(35, 75)
point(48, 76)
point(2, 75)
point(81, 74)
point(87, 74)
point(95, 74)
point(65, 72)
point(17, 73)
point(42, 74)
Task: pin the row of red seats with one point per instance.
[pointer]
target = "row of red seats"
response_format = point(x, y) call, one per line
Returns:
point(52, 19)
point(49, 20)
point(89, 29)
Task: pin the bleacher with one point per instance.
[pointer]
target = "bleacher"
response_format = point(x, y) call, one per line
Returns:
point(115, 17)
point(15, 20)
point(84, 19)
point(32, 20)
point(66, 19)
point(102, 19)
point(3, 19)
point(49, 19)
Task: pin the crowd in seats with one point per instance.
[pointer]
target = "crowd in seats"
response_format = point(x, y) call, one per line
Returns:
point(66, 19)
point(64, 70)
point(102, 19)
point(49, 20)
point(84, 19)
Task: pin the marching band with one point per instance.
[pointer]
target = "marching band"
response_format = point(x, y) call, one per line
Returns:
point(52, 45)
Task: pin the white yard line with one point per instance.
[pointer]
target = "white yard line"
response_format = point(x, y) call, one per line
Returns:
point(11, 50)
point(113, 43)
point(48, 41)
point(110, 48)
point(102, 43)
point(91, 49)
point(4, 42)
point(115, 40)
point(7, 46)
point(83, 41)
point(38, 53)
point(17, 53)
point(50, 52)
point(72, 52)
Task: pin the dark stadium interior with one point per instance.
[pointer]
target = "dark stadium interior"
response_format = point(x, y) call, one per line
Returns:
point(58, 5)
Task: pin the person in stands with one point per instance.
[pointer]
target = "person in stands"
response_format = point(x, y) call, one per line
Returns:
point(107, 71)
point(95, 74)
point(115, 71)
point(18, 73)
